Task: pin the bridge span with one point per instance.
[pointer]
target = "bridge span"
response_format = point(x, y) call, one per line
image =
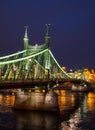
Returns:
point(34, 65)
point(10, 84)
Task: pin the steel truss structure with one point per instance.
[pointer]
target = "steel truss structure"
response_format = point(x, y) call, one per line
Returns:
point(33, 62)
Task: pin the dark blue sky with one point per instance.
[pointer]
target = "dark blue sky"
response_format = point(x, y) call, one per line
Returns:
point(72, 28)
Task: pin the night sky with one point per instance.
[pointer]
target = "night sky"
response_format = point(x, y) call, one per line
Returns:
point(72, 28)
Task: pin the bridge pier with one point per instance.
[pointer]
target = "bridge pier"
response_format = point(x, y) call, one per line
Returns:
point(36, 101)
point(80, 87)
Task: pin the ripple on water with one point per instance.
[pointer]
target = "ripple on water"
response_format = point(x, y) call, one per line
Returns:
point(88, 122)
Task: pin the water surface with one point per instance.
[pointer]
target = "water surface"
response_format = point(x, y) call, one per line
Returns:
point(75, 109)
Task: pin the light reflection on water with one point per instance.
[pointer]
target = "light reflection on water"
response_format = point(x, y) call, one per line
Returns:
point(91, 101)
point(79, 107)
point(66, 100)
point(6, 103)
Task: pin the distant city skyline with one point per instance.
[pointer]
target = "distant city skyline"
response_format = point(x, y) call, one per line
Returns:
point(72, 28)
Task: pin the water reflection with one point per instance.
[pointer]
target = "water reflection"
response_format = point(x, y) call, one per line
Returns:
point(91, 101)
point(76, 109)
point(36, 120)
point(66, 99)
point(72, 123)
point(6, 103)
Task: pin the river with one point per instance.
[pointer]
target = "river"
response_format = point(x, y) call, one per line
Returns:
point(77, 111)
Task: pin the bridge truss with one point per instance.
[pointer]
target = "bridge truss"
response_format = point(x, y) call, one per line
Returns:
point(34, 62)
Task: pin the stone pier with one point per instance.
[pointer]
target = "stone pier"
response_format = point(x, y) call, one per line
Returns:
point(40, 101)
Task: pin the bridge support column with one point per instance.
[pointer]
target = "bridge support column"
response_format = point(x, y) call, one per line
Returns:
point(37, 101)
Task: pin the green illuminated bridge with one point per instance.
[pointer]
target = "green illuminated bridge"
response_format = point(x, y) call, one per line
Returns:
point(33, 63)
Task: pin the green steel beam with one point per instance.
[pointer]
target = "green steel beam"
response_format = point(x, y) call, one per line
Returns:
point(24, 58)
point(59, 65)
point(14, 54)
point(28, 70)
point(7, 71)
point(40, 65)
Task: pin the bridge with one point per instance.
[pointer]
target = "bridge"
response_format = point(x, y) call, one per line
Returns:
point(33, 63)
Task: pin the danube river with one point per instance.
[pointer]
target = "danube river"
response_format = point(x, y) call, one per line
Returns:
point(77, 112)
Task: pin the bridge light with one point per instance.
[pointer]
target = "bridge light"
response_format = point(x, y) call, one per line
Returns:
point(14, 67)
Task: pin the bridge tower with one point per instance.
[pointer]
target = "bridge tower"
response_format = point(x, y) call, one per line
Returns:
point(47, 37)
point(26, 39)
point(47, 55)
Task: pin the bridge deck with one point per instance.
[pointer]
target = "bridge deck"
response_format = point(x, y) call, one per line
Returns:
point(4, 84)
